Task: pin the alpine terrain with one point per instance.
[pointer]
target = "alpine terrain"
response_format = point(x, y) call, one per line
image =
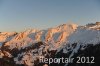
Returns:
point(67, 41)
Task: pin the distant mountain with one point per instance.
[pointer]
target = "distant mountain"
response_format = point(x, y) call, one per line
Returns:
point(67, 41)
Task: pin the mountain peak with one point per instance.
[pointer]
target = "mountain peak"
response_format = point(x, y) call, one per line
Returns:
point(27, 46)
point(95, 26)
point(74, 26)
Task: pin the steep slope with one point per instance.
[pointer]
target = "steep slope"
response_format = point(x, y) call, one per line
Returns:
point(85, 37)
point(50, 40)
point(55, 36)
point(6, 36)
point(67, 40)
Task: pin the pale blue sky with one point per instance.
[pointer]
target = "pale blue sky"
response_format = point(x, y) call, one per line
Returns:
point(17, 15)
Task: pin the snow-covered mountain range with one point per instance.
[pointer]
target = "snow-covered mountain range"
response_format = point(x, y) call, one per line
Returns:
point(67, 40)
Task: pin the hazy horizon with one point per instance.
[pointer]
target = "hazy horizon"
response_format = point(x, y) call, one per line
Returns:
point(17, 15)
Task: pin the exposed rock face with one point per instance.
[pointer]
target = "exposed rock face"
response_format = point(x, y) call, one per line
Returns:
point(6, 36)
point(56, 36)
point(97, 23)
point(68, 41)
point(90, 51)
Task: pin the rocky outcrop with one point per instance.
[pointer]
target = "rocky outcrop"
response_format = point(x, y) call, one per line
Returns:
point(67, 41)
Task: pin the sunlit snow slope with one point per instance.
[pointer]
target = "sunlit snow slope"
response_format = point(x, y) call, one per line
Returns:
point(26, 47)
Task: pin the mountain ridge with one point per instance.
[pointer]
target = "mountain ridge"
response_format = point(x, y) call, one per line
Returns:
point(32, 44)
